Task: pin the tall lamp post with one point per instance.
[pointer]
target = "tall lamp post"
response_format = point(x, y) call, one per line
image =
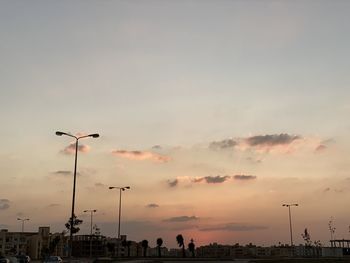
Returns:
point(23, 220)
point(290, 222)
point(91, 214)
point(94, 135)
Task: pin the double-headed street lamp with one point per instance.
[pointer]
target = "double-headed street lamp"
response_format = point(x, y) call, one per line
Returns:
point(120, 203)
point(91, 214)
point(290, 222)
point(94, 135)
point(23, 220)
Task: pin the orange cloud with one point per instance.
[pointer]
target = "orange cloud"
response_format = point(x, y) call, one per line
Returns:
point(141, 156)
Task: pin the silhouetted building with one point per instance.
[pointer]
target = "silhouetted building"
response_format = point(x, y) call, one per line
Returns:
point(13, 243)
point(34, 244)
point(83, 243)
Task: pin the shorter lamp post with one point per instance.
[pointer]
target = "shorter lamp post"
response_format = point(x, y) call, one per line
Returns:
point(23, 220)
point(290, 223)
point(91, 215)
point(19, 238)
point(121, 189)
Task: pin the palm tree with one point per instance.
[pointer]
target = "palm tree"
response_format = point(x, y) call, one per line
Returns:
point(144, 244)
point(191, 247)
point(159, 244)
point(181, 243)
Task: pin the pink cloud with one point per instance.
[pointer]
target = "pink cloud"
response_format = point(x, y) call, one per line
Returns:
point(141, 156)
point(70, 149)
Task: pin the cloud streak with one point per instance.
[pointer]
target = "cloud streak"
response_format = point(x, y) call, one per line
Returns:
point(244, 177)
point(141, 156)
point(181, 219)
point(271, 140)
point(234, 227)
point(212, 179)
point(152, 205)
point(267, 142)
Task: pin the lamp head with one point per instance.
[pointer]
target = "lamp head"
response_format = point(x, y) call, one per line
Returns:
point(94, 135)
point(127, 187)
point(58, 133)
point(111, 187)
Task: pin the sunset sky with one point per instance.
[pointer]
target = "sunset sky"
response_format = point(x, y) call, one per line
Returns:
point(215, 113)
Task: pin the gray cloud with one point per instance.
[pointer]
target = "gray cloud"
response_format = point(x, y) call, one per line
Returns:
point(173, 183)
point(156, 147)
point(224, 144)
point(212, 179)
point(53, 205)
point(272, 139)
point(64, 173)
point(100, 185)
point(233, 227)
point(181, 219)
point(4, 204)
point(244, 177)
point(321, 148)
point(152, 205)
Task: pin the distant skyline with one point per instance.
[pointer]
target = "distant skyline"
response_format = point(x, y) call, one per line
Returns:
point(215, 113)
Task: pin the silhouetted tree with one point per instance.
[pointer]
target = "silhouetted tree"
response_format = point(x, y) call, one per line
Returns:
point(159, 244)
point(307, 238)
point(331, 228)
point(191, 247)
point(144, 244)
point(76, 222)
point(181, 243)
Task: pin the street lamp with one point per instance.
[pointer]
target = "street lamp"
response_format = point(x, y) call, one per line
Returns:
point(23, 220)
point(94, 135)
point(91, 214)
point(290, 222)
point(120, 203)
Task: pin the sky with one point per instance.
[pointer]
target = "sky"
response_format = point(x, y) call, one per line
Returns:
point(215, 113)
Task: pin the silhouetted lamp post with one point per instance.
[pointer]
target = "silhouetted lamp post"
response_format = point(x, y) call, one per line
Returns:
point(120, 203)
point(94, 135)
point(91, 214)
point(23, 220)
point(290, 222)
